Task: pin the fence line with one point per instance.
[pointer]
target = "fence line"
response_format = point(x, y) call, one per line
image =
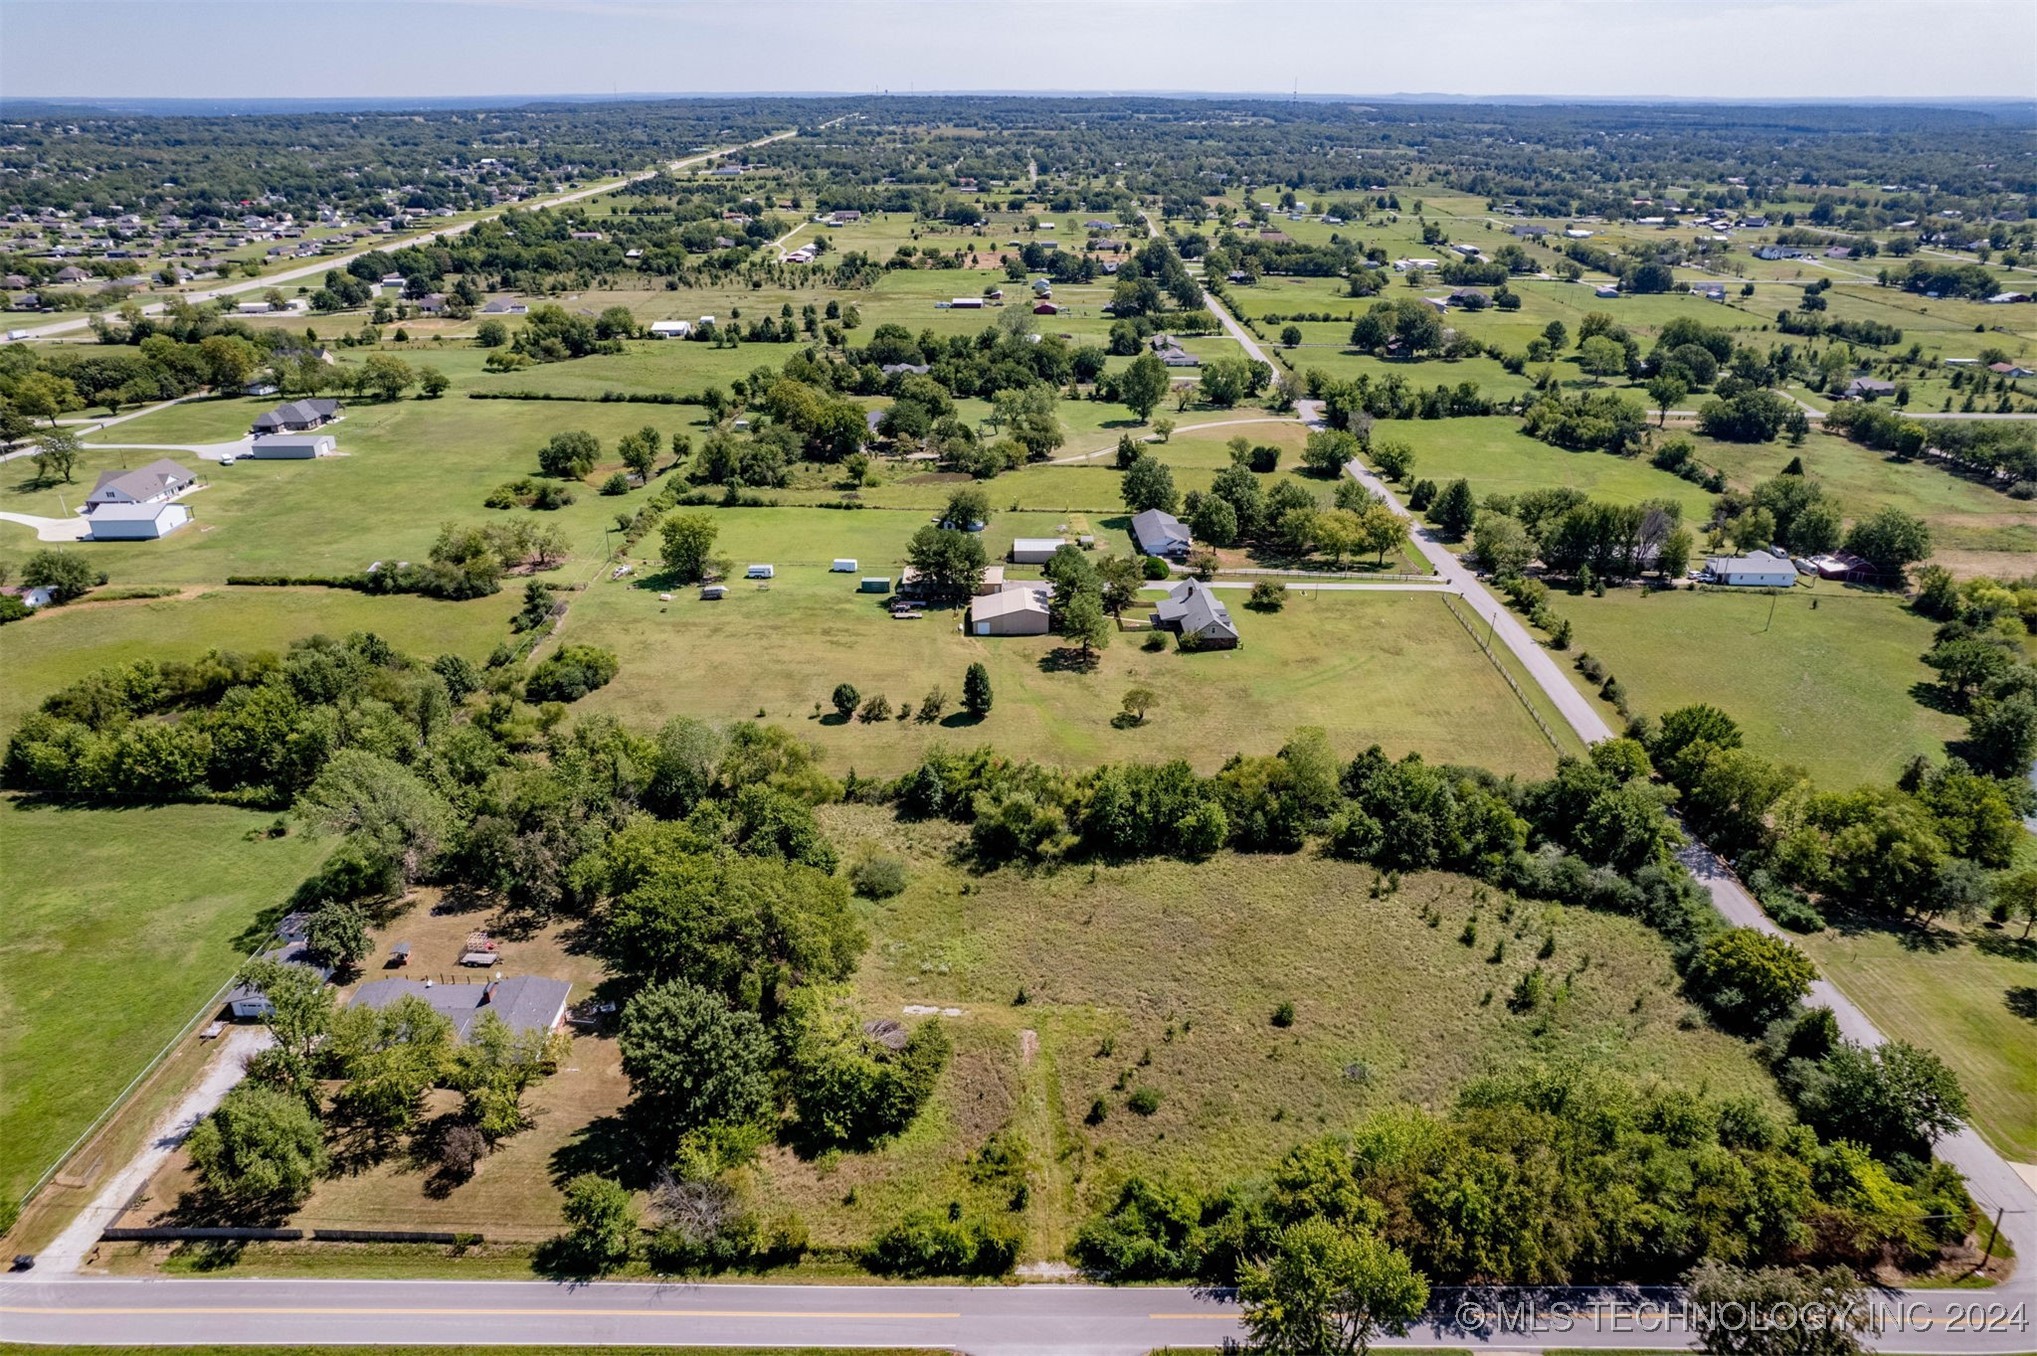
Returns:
point(1450, 601)
point(99, 1122)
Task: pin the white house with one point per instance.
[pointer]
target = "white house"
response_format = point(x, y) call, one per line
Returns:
point(293, 446)
point(1755, 570)
point(152, 484)
point(137, 522)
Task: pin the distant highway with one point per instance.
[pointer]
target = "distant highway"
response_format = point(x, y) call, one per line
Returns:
point(321, 266)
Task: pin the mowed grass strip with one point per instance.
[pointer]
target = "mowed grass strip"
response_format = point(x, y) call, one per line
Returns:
point(119, 924)
point(1825, 683)
point(1969, 996)
point(1385, 667)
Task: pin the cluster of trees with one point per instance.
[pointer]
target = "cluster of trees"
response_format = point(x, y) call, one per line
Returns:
point(1599, 421)
point(1999, 450)
point(1570, 533)
point(1604, 1179)
point(1940, 842)
point(1983, 667)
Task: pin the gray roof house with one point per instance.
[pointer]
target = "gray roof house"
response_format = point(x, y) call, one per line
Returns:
point(1159, 533)
point(1193, 610)
point(153, 483)
point(299, 416)
point(1867, 388)
point(523, 1002)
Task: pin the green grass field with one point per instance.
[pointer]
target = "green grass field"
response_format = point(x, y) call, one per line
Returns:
point(1497, 458)
point(1167, 974)
point(1968, 520)
point(1387, 667)
point(61, 645)
point(1969, 995)
point(1826, 687)
point(119, 923)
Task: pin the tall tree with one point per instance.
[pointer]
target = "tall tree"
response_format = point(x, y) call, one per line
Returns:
point(1326, 1291)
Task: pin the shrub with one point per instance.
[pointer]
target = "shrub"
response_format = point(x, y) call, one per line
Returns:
point(1154, 568)
point(1283, 1016)
point(1144, 1101)
point(1268, 595)
point(570, 674)
point(878, 877)
point(616, 484)
point(929, 1243)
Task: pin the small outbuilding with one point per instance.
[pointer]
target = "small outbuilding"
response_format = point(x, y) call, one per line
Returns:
point(293, 446)
point(137, 522)
point(1035, 550)
point(713, 593)
point(1010, 612)
point(874, 584)
point(843, 565)
point(761, 572)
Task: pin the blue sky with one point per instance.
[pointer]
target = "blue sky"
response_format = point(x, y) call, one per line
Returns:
point(1646, 48)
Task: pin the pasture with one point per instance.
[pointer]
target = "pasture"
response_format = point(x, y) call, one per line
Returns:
point(1825, 684)
point(1386, 667)
point(120, 923)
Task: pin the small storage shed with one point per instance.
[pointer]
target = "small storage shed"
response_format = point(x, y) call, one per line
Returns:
point(714, 592)
point(761, 572)
point(843, 565)
point(877, 583)
point(1035, 550)
point(292, 446)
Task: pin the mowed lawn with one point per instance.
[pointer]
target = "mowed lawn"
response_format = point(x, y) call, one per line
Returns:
point(119, 924)
point(1969, 522)
point(1825, 685)
point(1165, 975)
point(1386, 667)
point(60, 645)
point(1970, 996)
point(1497, 458)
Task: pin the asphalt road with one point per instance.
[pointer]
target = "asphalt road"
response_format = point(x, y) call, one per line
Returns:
point(990, 1320)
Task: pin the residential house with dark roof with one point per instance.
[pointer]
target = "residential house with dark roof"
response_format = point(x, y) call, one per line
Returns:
point(524, 1003)
point(299, 416)
point(1193, 611)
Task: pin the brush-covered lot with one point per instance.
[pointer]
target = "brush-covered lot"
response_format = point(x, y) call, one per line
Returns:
point(1075, 989)
point(1089, 985)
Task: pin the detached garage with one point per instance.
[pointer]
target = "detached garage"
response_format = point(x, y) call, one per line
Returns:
point(293, 446)
point(1014, 612)
point(137, 522)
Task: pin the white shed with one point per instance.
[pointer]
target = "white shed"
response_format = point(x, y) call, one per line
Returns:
point(843, 565)
point(1035, 550)
point(137, 522)
point(293, 446)
point(761, 572)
